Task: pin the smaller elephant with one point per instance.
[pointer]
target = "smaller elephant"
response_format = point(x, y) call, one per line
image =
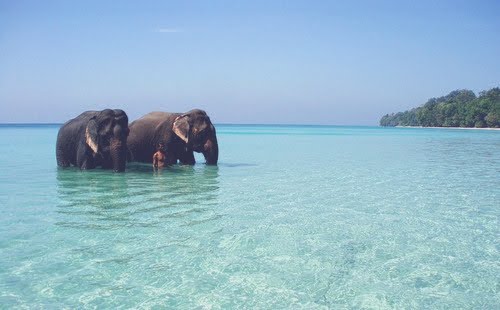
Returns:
point(181, 134)
point(92, 139)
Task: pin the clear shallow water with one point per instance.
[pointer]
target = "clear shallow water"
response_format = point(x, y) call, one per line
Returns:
point(293, 217)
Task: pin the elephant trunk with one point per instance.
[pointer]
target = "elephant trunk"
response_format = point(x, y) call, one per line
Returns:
point(211, 151)
point(118, 152)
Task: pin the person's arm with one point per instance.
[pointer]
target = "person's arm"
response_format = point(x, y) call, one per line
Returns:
point(155, 160)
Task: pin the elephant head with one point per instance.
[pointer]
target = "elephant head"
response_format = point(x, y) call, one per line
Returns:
point(106, 135)
point(198, 132)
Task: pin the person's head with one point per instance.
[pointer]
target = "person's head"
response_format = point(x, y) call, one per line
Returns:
point(160, 147)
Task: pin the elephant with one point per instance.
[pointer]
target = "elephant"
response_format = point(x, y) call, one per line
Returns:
point(94, 138)
point(180, 133)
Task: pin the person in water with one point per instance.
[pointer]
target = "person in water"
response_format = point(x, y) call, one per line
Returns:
point(160, 157)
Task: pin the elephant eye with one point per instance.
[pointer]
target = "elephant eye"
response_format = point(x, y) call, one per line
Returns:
point(106, 132)
point(106, 127)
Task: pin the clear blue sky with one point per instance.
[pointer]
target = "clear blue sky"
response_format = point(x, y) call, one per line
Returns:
point(309, 62)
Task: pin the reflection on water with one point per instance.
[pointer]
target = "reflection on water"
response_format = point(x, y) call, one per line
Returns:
point(130, 234)
point(140, 197)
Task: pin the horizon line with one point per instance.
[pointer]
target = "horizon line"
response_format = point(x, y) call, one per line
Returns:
point(223, 124)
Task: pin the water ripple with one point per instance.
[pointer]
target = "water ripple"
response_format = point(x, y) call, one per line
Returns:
point(348, 218)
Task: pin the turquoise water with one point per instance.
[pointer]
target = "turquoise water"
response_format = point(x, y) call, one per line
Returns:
point(293, 217)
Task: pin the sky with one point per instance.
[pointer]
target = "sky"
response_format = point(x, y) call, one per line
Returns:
point(261, 62)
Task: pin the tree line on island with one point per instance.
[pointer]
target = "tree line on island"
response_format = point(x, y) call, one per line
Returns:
point(460, 108)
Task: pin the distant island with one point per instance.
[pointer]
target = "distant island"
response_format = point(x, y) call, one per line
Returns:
point(460, 108)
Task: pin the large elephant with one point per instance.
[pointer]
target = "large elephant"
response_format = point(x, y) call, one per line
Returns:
point(180, 133)
point(92, 139)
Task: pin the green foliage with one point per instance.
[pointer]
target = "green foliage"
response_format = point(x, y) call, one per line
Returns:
point(460, 108)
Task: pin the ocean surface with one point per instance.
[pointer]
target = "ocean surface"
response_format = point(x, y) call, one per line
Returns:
point(310, 217)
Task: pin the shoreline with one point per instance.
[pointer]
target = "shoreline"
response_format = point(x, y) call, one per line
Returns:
point(464, 128)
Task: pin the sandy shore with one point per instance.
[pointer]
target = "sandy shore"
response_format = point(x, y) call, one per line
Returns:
point(466, 128)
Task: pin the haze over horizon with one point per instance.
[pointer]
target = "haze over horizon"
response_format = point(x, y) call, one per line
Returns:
point(290, 62)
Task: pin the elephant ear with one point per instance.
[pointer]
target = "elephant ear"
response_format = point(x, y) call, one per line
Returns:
point(91, 136)
point(181, 127)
